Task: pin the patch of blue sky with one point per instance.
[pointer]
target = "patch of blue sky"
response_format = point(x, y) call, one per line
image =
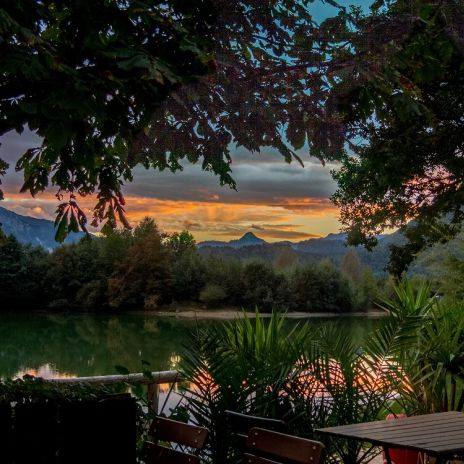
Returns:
point(322, 10)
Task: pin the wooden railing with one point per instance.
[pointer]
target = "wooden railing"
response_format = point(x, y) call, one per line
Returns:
point(153, 382)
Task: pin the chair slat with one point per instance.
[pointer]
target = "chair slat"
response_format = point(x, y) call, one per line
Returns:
point(242, 423)
point(250, 459)
point(178, 432)
point(159, 454)
point(288, 447)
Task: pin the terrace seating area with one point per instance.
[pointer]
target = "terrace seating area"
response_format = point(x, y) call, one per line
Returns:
point(103, 428)
point(179, 443)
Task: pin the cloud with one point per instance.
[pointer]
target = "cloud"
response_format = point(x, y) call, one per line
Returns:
point(287, 235)
point(190, 225)
point(280, 201)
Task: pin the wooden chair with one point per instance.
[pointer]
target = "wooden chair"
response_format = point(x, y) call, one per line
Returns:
point(269, 447)
point(240, 424)
point(178, 436)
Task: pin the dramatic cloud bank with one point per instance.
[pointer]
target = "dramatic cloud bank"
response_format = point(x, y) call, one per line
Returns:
point(277, 200)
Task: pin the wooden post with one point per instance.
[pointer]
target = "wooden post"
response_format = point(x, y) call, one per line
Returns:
point(153, 396)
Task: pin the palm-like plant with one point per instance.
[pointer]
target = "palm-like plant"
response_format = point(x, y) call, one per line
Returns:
point(351, 389)
point(434, 365)
point(321, 377)
point(242, 365)
point(423, 342)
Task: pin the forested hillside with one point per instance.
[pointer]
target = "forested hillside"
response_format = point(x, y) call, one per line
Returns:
point(147, 269)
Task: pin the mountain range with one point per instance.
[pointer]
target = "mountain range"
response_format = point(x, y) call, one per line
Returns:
point(41, 232)
point(332, 247)
point(29, 230)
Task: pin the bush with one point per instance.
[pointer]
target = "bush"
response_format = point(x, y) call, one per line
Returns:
point(212, 295)
point(321, 288)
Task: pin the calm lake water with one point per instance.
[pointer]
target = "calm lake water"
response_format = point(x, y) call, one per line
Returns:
point(70, 345)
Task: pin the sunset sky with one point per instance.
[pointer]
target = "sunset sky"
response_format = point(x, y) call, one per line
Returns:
point(275, 200)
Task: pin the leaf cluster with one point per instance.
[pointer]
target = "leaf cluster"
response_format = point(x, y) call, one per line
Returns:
point(87, 78)
point(405, 107)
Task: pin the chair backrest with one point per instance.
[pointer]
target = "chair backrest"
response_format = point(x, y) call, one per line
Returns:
point(179, 435)
point(240, 424)
point(269, 447)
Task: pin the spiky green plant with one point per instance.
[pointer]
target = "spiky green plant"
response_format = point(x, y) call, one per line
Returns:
point(318, 377)
point(352, 389)
point(244, 365)
point(434, 365)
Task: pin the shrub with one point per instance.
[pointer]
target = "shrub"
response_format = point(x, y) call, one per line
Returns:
point(213, 294)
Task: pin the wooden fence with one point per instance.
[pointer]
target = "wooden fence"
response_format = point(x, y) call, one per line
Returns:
point(153, 382)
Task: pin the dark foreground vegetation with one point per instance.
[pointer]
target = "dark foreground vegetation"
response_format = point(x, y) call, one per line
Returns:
point(146, 269)
point(411, 362)
point(308, 376)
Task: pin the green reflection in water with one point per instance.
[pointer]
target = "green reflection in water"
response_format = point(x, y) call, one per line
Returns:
point(52, 345)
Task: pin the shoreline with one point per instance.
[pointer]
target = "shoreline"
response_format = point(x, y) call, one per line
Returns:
point(229, 314)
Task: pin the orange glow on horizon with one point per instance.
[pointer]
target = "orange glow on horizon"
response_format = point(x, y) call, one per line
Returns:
point(287, 219)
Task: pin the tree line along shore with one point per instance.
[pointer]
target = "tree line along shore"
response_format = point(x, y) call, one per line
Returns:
point(146, 269)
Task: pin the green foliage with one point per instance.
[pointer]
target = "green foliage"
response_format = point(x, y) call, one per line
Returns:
point(262, 287)
point(425, 341)
point(353, 388)
point(31, 389)
point(308, 377)
point(188, 272)
point(443, 264)
point(242, 365)
point(213, 294)
point(87, 78)
point(145, 268)
point(321, 288)
point(143, 278)
point(433, 365)
point(21, 271)
point(406, 107)
point(227, 274)
point(71, 272)
point(285, 259)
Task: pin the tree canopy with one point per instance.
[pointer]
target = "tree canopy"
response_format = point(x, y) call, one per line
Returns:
point(162, 84)
point(408, 113)
point(87, 77)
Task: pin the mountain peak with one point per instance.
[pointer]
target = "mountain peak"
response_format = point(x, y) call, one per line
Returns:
point(247, 239)
point(29, 230)
point(250, 236)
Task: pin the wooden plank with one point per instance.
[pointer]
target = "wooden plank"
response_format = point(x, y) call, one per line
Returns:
point(279, 445)
point(437, 434)
point(414, 421)
point(170, 430)
point(139, 378)
point(417, 432)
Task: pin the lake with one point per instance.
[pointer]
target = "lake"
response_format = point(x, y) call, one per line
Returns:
point(70, 345)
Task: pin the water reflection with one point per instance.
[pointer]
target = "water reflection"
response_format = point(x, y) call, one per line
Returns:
point(46, 371)
point(77, 345)
point(64, 345)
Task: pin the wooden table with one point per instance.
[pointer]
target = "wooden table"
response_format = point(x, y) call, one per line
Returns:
point(440, 435)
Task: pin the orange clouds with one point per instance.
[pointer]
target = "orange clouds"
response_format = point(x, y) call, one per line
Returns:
point(290, 219)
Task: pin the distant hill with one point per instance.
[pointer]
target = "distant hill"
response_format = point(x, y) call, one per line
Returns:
point(248, 239)
point(32, 231)
point(332, 247)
